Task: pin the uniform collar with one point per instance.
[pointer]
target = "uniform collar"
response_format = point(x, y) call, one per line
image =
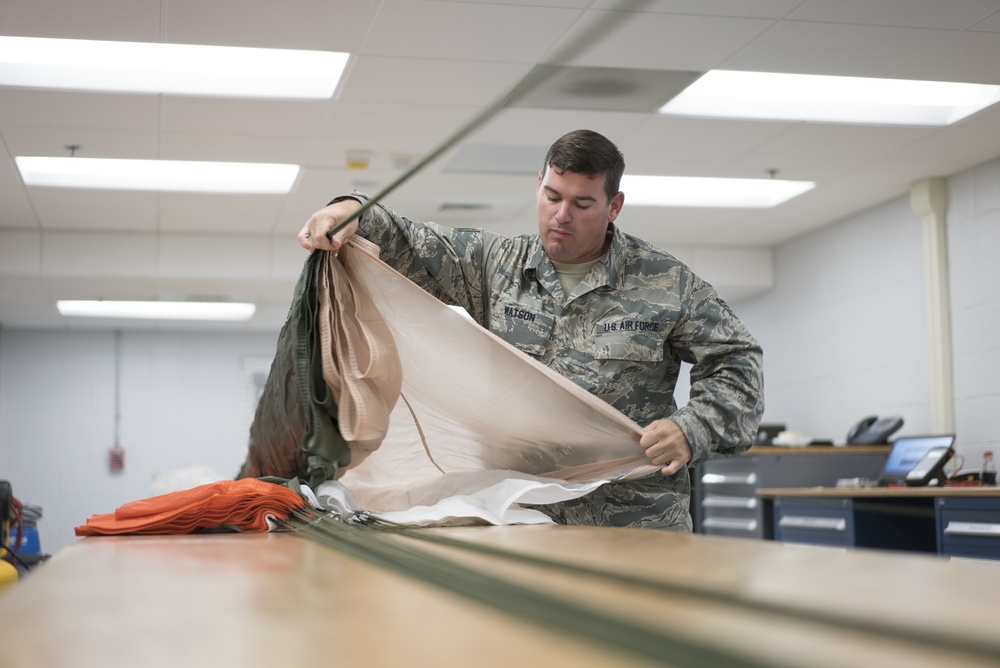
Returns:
point(612, 261)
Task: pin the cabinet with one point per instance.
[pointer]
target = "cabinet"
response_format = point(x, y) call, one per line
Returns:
point(898, 523)
point(951, 521)
point(969, 527)
point(724, 495)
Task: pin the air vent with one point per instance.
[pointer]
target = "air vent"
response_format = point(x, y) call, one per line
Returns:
point(607, 88)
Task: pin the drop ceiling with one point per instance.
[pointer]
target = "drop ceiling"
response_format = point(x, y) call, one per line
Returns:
point(418, 71)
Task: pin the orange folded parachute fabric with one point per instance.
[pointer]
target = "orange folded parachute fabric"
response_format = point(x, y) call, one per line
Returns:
point(241, 504)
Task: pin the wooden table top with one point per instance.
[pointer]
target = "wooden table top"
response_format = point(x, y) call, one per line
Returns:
point(257, 600)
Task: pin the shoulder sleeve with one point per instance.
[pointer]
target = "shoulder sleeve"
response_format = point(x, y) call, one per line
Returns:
point(446, 262)
point(727, 381)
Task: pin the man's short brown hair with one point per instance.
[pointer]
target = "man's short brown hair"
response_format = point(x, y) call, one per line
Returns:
point(590, 153)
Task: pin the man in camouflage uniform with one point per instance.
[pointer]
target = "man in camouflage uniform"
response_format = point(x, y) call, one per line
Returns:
point(612, 313)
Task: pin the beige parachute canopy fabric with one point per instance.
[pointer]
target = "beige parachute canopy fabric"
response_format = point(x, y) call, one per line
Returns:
point(470, 404)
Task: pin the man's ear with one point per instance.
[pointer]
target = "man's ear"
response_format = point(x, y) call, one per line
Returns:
point(617, 202)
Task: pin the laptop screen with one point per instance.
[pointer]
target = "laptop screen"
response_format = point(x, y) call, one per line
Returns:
point(906, 452)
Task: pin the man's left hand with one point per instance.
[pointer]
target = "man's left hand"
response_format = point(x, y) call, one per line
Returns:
point(666, 446)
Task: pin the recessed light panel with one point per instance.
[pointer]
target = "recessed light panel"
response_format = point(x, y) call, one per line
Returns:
point(166, 175)
point(687, 191)
point(831, 99)
point(217, 311)
point(180, 69)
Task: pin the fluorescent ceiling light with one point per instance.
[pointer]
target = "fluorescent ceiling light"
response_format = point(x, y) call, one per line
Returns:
point(808, 97)
point(172, 175)
point(710, 192)
point(228, 311)
point(181, 69)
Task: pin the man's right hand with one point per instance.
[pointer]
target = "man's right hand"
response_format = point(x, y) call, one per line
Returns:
point(313, 235)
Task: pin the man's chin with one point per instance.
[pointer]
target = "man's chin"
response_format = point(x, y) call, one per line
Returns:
point(557, 251)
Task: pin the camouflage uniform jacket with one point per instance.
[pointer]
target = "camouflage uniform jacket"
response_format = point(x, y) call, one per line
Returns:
point(621, 335)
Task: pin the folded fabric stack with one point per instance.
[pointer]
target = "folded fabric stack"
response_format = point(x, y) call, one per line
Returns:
point(243, 505)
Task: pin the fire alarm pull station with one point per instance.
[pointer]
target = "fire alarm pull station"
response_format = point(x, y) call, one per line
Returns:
point(116, 461)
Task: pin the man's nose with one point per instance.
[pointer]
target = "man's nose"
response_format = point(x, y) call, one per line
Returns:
point(563, 214)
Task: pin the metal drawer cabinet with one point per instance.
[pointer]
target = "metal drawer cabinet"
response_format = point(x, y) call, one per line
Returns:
point(724, 494)
point(969, 527)
point(728, 501)
point(816, 521)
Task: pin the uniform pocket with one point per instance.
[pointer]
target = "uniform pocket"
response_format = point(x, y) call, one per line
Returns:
point(635, 346)
point(521, 325)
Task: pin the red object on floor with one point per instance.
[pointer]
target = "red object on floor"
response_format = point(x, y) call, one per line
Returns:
point(242, 504)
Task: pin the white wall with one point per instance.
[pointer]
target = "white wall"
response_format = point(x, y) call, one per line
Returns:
point(974, 268)
point(186, 400)
point(844, 330)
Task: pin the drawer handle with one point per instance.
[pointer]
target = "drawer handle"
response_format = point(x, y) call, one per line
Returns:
point(806, 522)
point(720, 479)
point(729, 502)
point(972, 529)
point(729, 523)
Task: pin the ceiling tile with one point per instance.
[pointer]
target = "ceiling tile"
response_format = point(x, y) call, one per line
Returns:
point(956, 14)
point(233, 116)
point(992, 24)
point(972, 57)
point(826, 139)
point(96, 254)
point(84, 209)
point(208, 213)
point(46, 108)
point(131, 20)
point(832, 48)
point(762, 9)
point(497, 159)
point(211, 256)
point(955, 144)
point(668, 134)
point(56, 140)
point(488, 32)
point(216, 146)
point(604, 88)
point(385, 130)
point(15, 207)
point(432, 82)
point(544, 126)
point(20, 253)
point(794, 166)
point(289, 24)
point(667, 41)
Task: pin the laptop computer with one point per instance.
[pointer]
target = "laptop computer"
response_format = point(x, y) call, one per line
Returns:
point(907, 451)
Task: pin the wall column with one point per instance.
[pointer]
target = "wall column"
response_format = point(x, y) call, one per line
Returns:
point(929, 200)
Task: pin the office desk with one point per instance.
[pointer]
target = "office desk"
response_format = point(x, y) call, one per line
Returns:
point(266, 600)
point(952, 521)
point(724, 501)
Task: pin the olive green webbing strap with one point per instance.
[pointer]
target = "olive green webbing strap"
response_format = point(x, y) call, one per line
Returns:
point(567, 616)
point(378, 547)
point(883, 628)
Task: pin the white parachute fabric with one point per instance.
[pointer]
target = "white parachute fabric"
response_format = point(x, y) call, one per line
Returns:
point(473, 407)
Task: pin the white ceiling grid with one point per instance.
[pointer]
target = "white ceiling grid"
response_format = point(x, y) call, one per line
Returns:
point(421, 68)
